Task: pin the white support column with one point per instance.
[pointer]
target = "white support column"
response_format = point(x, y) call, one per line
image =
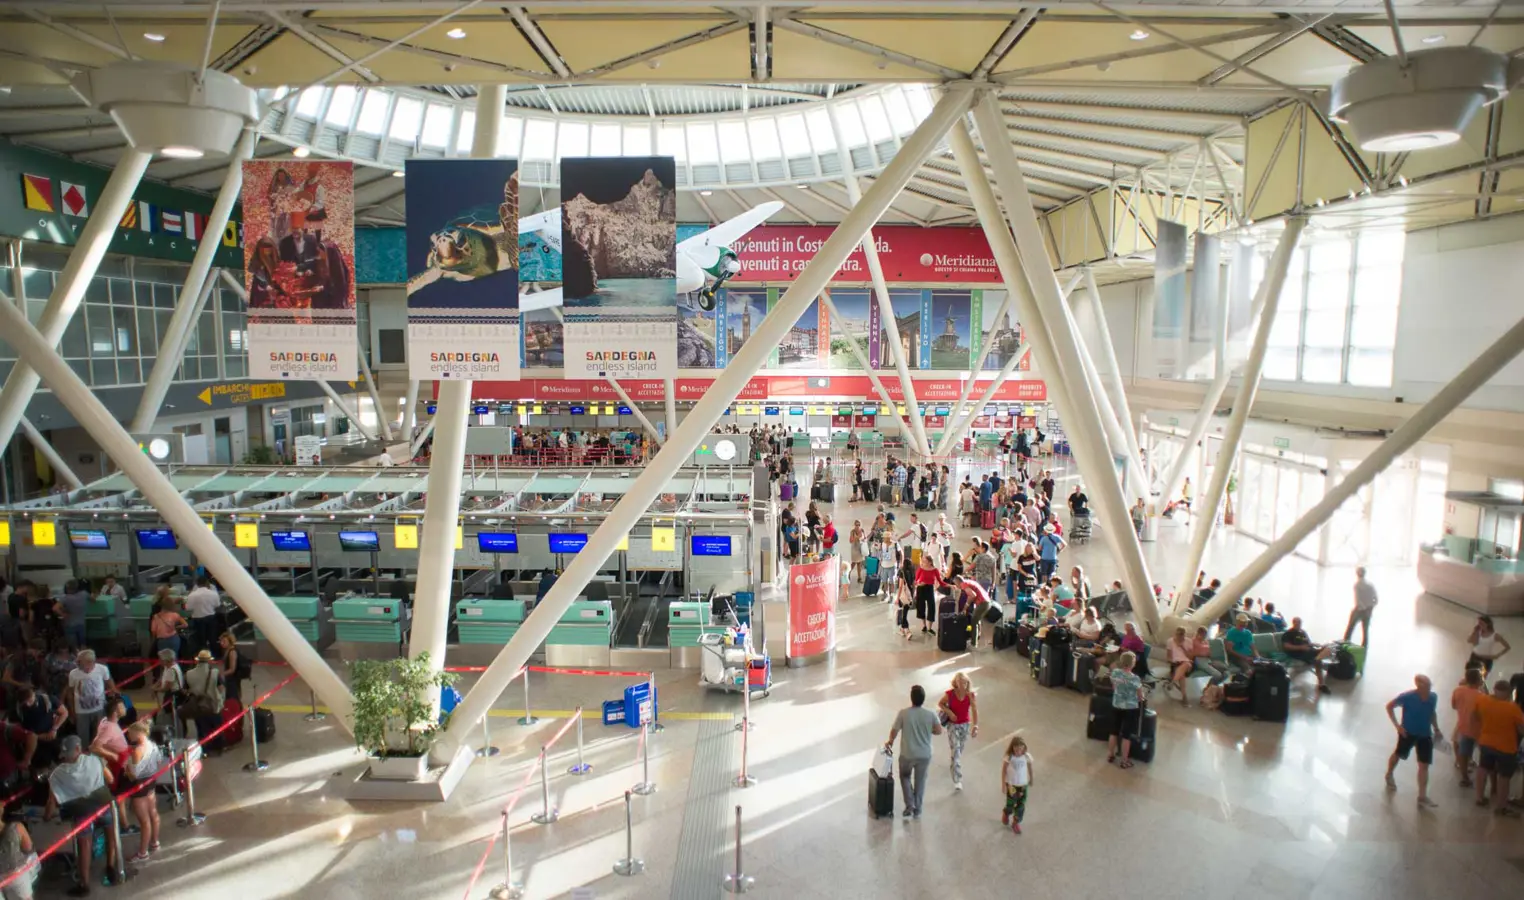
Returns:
point(669, 389)
point(418, 442)
point(383, 420)
point(835, 319)
point(652, 481)
point(198, 281)
point(102, 425)
point(1053, 343)
point(1113, 375)
point(350, 412)
point(441, 512)
point(968, 386)
point(49, 454)
point(1116, 437)
point(624, 398)
point(410, 410)
point(1480, 370)
point(1204, 510)
point(919, 444)
point(233, 284)
point(91, 246)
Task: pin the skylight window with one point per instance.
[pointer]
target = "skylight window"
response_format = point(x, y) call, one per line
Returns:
point(373, 112)
point(342, 106)
point(539, 139)
point(406, 116)
point(637, 140)
point(605, 141)
point(764, 138)
point(820, 130)
point(670, 142)
point(796, 138)
point(702, 147)
point(436, 125)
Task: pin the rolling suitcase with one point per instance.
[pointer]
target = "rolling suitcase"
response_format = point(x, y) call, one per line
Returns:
point(264, 725)
point(232, 711)
point(1235, 696)
point(880, 795)
point(1148, 733)
point(1081, 670)
point(994, 613)
point(1051, 669)
point(786, 492)
point(923, 502)
point(1006, 635)
point(1024, 634)
point(987, 519)
point(871, 585)
point(886, 493)
point(1349, 661)
point(952, 632)
point(1102, 717)
point(1270, 692)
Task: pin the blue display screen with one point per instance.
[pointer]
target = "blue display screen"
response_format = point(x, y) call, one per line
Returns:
point(497, 542)
point(991, 410)
point(626, 411)
point(941, 410)
point(359, 540)
point(89, 539)
point(711, 545)
point(578, 410)
point(290, 541)
point(770, 410)
point(567, 543)
point(431, 408)
point(481, 409)
point(796, 411)
point(870, 410)
point(157, 539)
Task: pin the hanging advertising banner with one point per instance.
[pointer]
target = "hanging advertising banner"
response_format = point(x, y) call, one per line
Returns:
point(299, 256)
point(812, 591)
point(462, 269)
point(1169, 298)
point(908, 254)
point(759, 387)
point(619, 267)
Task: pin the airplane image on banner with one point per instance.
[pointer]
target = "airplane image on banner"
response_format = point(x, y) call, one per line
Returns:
point(704, 261)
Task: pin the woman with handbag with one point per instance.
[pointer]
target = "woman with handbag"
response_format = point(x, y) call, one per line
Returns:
point(204, 697)
point(960, 717)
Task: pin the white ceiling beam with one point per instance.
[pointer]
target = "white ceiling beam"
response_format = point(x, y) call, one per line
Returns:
point(327, 29)
point(761, 62)
point(704, 204)
point(1003, 44)
point(1019, 119)
point(537, 38)
point(852, 43)
point(702, 37)
point(774, 195)
point(1296, 29)
point(1105, 146)
point(79, 34)
point(322, 46)
point(1105, 60)
point(1085, 107)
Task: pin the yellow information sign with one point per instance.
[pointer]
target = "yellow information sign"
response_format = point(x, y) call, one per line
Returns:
point(460, 537)
point(241, 392)
point(5, 534)
point(663, 540)
point(246, 535)
point(406, 537)
point(44, 534)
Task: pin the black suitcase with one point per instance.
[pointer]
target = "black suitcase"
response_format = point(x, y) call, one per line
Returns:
point(994, 613)
point(1270, 692)
point(923, 502)
point(1143, 741)
point(880, 795)
point(952, 633)
point(1006, 635)
point(1235, 696)
point(1102, 719)
point(264, 725)
point(1024, 633)
point(871, 585)
point(1052, 669)
point(1081, 671)
point(886, 493)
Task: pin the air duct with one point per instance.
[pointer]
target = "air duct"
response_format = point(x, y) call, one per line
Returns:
point(1397, 108)
point(166, 109)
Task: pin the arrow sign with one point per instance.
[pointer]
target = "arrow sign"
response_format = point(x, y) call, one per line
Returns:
point(205, 396)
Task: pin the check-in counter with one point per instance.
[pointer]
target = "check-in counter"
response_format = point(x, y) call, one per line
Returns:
point(687, 622)
point(371, 620)
point(582, 636)
point(309, 616)
point(139, 612)
point(102, 619)
point(1487, 585)
point(488, 621)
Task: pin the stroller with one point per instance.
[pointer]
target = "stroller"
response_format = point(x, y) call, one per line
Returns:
point(1079, 528)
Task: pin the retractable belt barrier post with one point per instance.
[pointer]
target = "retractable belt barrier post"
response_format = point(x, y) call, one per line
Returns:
point(629, 865)
point(646, 786)
point(738, 882)
point(528, 717)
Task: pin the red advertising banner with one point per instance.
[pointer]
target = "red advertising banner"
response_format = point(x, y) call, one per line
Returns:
point(909, 254)
point(861, 421)
point(761, 387)
point(812, 591)
point(841, 421)
point(1026, 421)
point(936, 422)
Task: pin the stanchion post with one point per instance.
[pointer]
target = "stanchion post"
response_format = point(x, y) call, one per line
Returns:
point(174, 717)
point(256, 764)
point(655, 723)
point(192, 818)
point(629, 865)
point(745, 723)
point(646, 786)
point(546, 815)
point(738, 882)
point(745, 779)
point(528, 717)
point(487, 751)
point(314, 716)
point(508, 890)
point(583, 766)
point(116, 837)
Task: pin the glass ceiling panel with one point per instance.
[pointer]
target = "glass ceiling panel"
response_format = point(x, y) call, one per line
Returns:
point(702, 147)
point(900, 117)
point(436, 126)
point(406, 116)
point(820, 130)
point(342, 106)
point(875, 119)
point(373, 112)
point(733, 143)
point(637, 140)
point(310, 102)
point(795, 137)
point(851, 125)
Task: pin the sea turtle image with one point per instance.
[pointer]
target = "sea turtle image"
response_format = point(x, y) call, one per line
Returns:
point(473, 246)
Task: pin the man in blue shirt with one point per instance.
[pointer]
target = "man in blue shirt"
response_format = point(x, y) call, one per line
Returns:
point(1272, 618)
point(1238, 644)
point(1420, 722)
point(986, 491)
point(1047, 547)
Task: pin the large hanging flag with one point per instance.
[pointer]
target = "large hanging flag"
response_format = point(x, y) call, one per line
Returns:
point(76, 202)
point(195, 225)
point(463, 269)
point(148, 215)
point(230, 235)
point(299, 257)
point(38, 192)
point(171, 223)
point(130, 217)
point(619, 266)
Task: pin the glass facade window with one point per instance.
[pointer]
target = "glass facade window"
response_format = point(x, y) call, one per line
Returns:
point(372, 118)
point(467, 131)
point(606, 140)
point(702, 147)
point(508, 141)
point(573, 140)
point(436, 125)
point(670, 142)
point(341, 106)
point(539, 139)
point(406, 118)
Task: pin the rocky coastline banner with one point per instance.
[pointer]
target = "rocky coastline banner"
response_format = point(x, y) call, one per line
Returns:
point(299, 257)
point(619, 266)
point(462, 269)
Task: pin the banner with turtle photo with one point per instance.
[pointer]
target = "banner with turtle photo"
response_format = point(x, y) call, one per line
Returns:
point(299, 263)
point(463, 269)
point(619, 270)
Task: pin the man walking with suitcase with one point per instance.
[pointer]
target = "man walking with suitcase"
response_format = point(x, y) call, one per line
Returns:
point(915, 725)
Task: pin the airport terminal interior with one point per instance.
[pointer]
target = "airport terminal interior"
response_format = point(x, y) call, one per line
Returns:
point(658, 448)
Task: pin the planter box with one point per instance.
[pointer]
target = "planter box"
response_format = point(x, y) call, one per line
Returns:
point(399, 768)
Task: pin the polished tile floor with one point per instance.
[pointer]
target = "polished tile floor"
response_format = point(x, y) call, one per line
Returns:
point(1229, 808)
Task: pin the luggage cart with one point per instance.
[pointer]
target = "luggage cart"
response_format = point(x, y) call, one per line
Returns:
point(733, 668)
point(1079, 529)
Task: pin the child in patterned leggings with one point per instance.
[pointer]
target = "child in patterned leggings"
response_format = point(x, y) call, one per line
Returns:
point(1016, 776)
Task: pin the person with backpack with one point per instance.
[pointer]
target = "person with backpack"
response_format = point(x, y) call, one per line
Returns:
point(204, 696)
point(236, 668)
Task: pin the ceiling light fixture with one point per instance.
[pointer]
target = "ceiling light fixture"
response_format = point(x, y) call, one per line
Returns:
point(1433, 39)
point(182, 152)
point(706, 193)
point(455, 33)
point(802, 187)
point(171, 109)
point(397, 174)
point(153, 36)
point(1139, 35)
point(301, 152)
point(1428, 103)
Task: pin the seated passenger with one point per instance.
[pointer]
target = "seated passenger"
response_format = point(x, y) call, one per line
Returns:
point(1086, 627)
point(1296, 644)
point(1131, 640)
point(1238, 642)
point(1272, 618)
point(1181, 662)
point(1201, 652)
point(1107, 648)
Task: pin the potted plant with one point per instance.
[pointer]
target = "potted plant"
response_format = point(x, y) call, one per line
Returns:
point(394, 721)
point(1227, 509)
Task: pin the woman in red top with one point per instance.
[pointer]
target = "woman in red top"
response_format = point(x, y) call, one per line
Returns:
point(926, 580)
point(960, 716)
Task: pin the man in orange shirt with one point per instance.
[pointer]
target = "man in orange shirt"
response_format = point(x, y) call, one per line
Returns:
point(1463, 701)
point(1499, 722)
